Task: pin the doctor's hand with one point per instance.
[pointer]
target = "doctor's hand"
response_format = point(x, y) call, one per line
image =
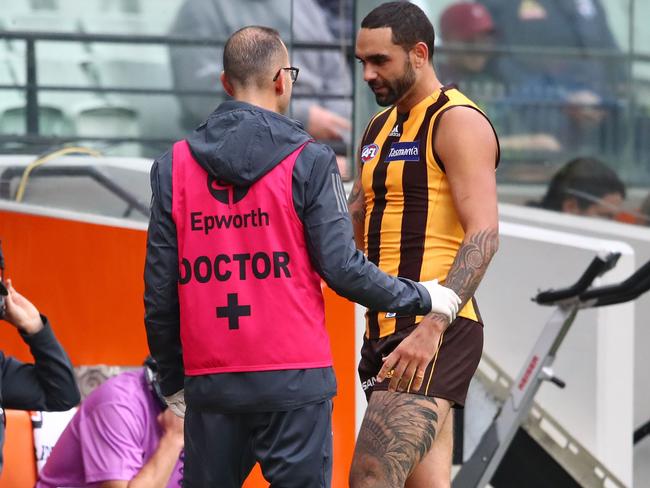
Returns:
point(443, 300)
point(176, 403)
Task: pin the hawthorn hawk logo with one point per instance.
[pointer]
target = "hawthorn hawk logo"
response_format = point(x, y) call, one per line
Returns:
point(225, 192)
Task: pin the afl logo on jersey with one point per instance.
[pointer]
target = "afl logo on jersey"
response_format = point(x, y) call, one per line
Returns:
point(368, 152)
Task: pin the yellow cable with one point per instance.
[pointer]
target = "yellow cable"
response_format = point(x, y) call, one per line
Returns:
point(44, 159)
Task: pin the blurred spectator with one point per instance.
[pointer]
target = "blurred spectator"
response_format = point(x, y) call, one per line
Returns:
point(122, 435)
point(322, 72)
point(585, 186)
point(49, 383)
point(645, 210)
point(340, 14)
point(571, 96)
point(578, 24)
point(471, 24)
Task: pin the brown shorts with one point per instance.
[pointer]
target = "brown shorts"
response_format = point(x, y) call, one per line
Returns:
point(447, 375)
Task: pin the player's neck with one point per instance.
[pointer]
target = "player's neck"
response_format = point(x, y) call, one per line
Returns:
point(425, 86)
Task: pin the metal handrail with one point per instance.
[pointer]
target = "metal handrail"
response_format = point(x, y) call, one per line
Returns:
point(338, 147)
point(154, 91)
point(598, 266)
point(93, 172)
point(32, 87)
point(642, 432)
point(629, 289)
point(146, 39)
point(498, 49)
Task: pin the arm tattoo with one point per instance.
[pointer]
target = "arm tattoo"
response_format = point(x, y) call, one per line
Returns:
point(358, 216)
point(356, 204)
point(471, 262)
point(355, 193)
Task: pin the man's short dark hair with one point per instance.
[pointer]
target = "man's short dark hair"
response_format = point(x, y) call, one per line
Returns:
point(250, 54)
point(581, 176)
point(409, 24)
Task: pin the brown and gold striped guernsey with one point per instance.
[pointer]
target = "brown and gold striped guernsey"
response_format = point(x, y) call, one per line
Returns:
point(411, 227)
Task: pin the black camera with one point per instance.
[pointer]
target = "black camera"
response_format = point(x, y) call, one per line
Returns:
point(151, 374)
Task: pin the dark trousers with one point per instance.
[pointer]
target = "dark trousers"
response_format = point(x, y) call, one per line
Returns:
point(294, 447)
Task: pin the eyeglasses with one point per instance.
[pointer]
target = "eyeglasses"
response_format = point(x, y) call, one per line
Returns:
point(293, 73)
point(615, 212)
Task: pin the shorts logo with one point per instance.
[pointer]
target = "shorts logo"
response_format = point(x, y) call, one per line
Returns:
point(391, 315)
point(368, 152)
point(369, 383)
point(404, 151)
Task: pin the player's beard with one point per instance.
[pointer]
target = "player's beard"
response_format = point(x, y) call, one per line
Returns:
point(395, 89)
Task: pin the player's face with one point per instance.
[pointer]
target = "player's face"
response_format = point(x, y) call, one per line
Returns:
point(387, 67)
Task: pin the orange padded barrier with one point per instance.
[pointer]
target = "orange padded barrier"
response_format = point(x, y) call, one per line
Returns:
point(19, 470)
point(87, 278)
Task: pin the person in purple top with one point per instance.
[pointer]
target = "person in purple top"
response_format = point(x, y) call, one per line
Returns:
point(121, 436)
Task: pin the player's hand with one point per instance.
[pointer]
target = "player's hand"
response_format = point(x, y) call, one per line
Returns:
point(406, 365)
point(21, 313)
point(325, 124)
point(443, 300)
point(172, 425)
point(176, 403)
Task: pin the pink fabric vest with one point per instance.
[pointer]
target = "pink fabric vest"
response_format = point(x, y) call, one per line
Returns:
point(250, 299)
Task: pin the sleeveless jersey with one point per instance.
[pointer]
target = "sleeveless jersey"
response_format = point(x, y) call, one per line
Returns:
point(411, 227)
point(250, 299)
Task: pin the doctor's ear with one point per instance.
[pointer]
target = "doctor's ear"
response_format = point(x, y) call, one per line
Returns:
point(280, 83)
point(227, 86)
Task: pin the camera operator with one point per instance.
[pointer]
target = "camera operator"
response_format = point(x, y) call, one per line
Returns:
point(48, 384)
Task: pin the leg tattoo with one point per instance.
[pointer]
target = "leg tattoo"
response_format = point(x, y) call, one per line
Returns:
point(397, 432)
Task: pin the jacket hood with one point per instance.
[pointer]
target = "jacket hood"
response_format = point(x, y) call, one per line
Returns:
point(240, 142)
